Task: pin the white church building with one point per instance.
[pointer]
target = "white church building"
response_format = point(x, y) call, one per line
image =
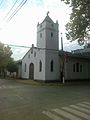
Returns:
point(46, 63)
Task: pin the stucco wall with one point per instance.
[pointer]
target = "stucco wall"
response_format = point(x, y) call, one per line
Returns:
point(40, 56)
point(70, 74)
point(46, 41)
point(55, 75)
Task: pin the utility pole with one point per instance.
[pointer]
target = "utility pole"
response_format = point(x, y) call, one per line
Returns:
point(61, 43)
point(63, 80)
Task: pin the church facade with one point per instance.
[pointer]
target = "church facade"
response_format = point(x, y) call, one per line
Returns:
point(42, 62)
point(46, 63)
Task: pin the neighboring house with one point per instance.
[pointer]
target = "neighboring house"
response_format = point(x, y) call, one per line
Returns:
point(46, 63)
point(76, 66)
point(11, 74)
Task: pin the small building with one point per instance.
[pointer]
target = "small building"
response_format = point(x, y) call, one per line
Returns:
point(75, 66)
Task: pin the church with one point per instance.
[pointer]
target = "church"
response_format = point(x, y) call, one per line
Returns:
point(47, 63)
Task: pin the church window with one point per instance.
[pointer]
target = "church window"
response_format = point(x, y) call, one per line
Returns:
point(40, 35)
point(51, 66)
point(28, 55)
point(25, 67)
point(31, 51)
point(40, 66)
point(52, 25)
point(41, 26)
point(34, 54)
point(51, 34)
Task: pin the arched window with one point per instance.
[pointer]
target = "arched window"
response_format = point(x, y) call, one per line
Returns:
point(40, 66)
point(51, 66)
point(28, 55)
point(51, 34)
point(25, 67)
point(40, 35)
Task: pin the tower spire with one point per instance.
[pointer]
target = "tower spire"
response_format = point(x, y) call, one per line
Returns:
point(48, 13)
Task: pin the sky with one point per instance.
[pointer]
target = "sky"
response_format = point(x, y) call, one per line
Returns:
point(22, 28)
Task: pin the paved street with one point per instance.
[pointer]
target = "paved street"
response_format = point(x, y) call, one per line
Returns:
point(19, 101)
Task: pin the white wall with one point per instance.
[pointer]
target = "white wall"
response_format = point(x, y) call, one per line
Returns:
point(70, 75)
point(40, 56)
point(47, 41)
point(41, 42)
point(52, 55)
point(27, 60)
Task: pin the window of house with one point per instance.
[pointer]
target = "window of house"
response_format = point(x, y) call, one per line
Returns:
point(51, 34)
point(25, 67)
point(73, 67)
point(80, 68)
point(77, 67)
point(51, 66)
point(40, 66)
point(40, 35)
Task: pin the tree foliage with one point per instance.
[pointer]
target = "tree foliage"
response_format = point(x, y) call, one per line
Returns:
point(12, 66)
point(5, 55)
point(78, 28)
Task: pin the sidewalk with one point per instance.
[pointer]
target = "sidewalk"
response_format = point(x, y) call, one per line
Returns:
point(39, 83)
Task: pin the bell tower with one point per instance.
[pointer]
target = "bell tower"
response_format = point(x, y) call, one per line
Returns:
point(48, 42)
point(47, 34)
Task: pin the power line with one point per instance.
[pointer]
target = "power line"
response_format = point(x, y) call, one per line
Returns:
point(17, 46)
point(17, 9)
point(10, 10)
point(33, 47)
point(1, 2)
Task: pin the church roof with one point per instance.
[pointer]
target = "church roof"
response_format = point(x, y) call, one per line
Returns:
point(48, 19)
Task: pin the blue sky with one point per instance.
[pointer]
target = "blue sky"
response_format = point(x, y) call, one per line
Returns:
point(22, 28)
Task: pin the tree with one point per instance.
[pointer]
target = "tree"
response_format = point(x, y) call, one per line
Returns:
point(78, 28)
point(12, 66)
point(5, 57)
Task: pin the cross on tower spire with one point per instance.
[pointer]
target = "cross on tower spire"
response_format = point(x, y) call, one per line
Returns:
point(48, 13)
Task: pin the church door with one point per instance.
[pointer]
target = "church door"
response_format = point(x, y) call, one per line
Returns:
point(31, 71)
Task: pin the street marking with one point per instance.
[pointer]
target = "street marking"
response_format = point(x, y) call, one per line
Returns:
point(66, 114)
point(83, 105)
point(52, 116)
point(80, 108)
point(72, 112)
point(76, 112)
